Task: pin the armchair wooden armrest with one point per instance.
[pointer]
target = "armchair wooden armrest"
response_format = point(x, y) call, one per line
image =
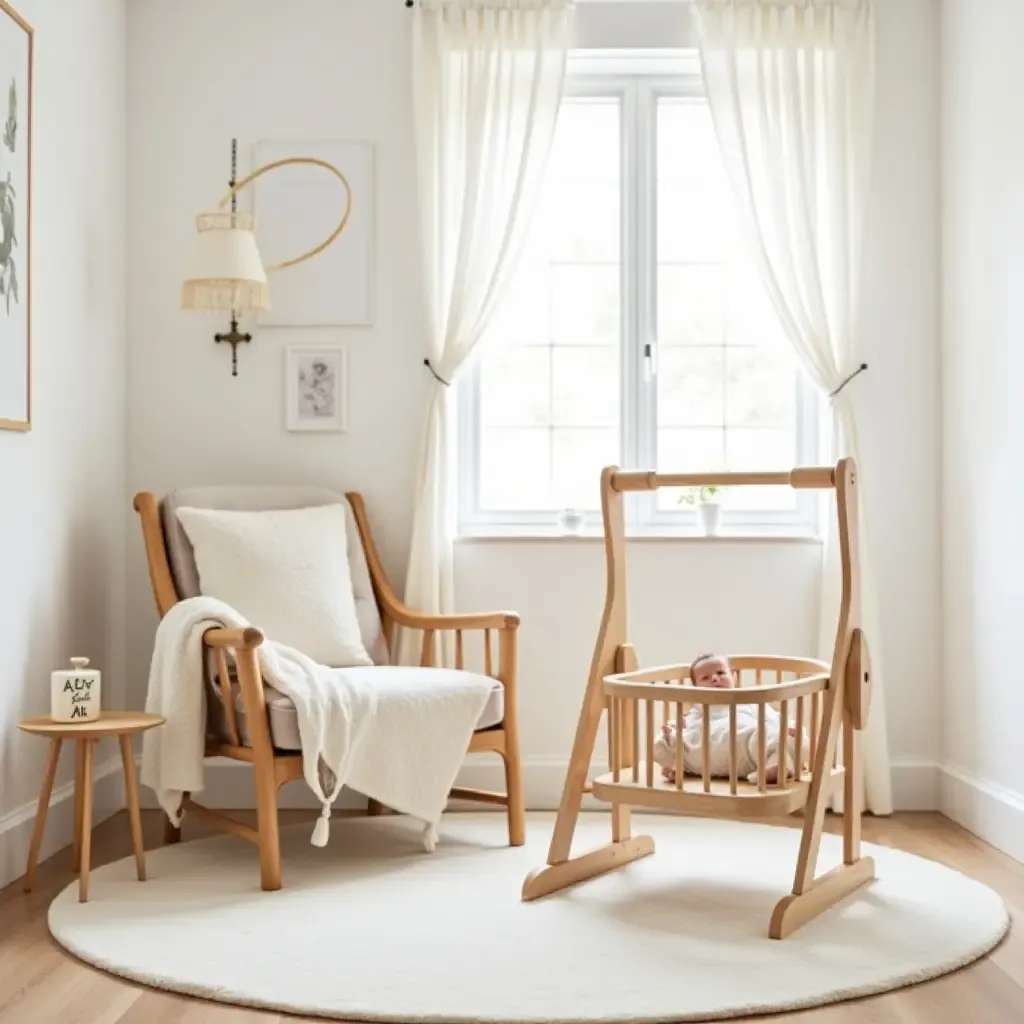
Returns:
point(243, 643)
point(239, 639)
point(405, 616)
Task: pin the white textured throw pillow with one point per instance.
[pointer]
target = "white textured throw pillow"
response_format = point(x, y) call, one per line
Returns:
point(286, 571)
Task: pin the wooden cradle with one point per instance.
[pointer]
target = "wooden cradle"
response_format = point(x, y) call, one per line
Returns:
point(818, 700)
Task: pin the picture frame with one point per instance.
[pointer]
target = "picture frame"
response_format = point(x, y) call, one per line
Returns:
point(295, 210)
point(316, 388)
point(17, 44)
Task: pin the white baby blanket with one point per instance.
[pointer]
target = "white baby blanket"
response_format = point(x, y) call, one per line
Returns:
point(399, 742)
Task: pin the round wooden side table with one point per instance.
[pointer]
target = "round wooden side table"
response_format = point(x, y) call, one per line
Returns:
point(123, 725)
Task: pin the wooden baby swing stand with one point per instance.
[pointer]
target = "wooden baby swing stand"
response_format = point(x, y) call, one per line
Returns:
point(838, 696)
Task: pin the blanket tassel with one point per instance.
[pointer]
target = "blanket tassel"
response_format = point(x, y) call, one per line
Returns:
point(322, 829)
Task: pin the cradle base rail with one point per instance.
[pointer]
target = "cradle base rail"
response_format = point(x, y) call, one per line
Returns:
point(554, 877)
point(796, 909)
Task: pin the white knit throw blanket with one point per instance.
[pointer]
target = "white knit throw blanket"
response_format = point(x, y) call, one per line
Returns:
point(399, 742)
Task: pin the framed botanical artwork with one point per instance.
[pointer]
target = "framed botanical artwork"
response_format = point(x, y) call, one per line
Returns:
point(295, 208)
point(15, 220)
point(316, 387)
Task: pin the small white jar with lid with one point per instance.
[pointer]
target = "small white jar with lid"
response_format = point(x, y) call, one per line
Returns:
point(75, 693)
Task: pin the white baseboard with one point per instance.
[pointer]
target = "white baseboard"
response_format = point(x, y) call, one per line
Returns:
point(990, 811)
point(16, 826)
point(229, 785)
point(915, 786)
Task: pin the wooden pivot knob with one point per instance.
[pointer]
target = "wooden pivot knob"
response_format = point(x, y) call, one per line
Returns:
point(858, 680)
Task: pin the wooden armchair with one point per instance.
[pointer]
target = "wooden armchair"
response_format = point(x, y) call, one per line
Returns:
point(249, 721)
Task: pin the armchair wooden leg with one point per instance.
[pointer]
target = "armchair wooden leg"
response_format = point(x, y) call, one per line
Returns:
point(267, 826)
point(514, 788)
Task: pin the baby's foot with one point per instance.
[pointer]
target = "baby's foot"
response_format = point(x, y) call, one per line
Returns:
point(771, 774)
point(668, 774)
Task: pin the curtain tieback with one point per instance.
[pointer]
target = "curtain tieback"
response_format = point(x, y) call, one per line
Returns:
point(860, 369)
point(437, 376)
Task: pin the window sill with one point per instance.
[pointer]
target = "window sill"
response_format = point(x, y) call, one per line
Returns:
point(521, 534)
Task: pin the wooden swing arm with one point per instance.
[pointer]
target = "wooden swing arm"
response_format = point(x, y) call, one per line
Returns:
point(820, 478)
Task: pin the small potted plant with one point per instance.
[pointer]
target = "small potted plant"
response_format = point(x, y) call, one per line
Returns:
point(706, 500)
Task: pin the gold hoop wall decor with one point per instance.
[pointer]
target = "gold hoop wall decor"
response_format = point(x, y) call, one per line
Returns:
point(316, 161)
point(227, 272)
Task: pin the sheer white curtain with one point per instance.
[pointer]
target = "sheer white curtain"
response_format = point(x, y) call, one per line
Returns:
point(488, 77)
point(791, 89)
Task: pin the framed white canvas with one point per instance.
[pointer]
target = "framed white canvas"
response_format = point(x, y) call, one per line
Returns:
point(316, 387)
point(16, 42)
point(296, 208)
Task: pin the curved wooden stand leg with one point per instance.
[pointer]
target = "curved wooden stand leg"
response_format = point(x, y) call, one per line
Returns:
point(374, 808)
point(812, 895)
point(553, 877)
point(795, 910)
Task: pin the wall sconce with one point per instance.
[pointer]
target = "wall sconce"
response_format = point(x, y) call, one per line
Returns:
point(226, 273)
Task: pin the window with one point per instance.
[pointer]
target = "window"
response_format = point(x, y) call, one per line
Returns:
point(636, 332)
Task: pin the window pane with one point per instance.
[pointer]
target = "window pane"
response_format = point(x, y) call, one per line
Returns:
point(687, 148)
point(585, 304)
point(691, 305)
point(691, 387)
point(586, 146)
point(760, 388)
point(515, 387)
point(515, 468)
point(585, 387)
point(578, 458)
point(577, 221)
point(525, 316)
point(726, 378)
point(549, 400)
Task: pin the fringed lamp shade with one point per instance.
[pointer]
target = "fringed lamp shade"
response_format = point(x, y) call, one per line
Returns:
point(226, 272)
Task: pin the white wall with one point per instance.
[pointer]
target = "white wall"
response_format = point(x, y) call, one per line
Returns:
point(340, 70)
point(983, 365)
point(62, 511)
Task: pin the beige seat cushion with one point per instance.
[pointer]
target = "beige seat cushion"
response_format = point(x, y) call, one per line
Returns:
point(284, 722)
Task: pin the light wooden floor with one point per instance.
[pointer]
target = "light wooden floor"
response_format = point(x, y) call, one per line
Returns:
point(41, 984)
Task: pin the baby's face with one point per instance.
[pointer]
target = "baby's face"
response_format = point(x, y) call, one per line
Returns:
point(713, 672)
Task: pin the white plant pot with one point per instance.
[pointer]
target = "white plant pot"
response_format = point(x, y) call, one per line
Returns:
point(75, 694)
point(572, 520)
point(710, 517)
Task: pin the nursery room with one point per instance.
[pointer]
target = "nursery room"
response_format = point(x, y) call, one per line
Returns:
point(508, 511)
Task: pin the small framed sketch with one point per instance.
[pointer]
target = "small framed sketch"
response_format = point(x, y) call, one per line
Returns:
point(316, 387)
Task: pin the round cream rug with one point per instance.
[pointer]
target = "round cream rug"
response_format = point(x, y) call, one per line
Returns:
point(373, 928)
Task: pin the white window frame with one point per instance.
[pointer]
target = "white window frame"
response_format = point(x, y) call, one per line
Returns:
point(638, 80)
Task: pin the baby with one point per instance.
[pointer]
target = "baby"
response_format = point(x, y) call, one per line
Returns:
point(710, 670)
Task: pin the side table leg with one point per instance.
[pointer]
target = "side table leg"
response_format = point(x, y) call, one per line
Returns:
point(86, 834)
point(131, 789)
point(76, 843)
point(41, 809)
